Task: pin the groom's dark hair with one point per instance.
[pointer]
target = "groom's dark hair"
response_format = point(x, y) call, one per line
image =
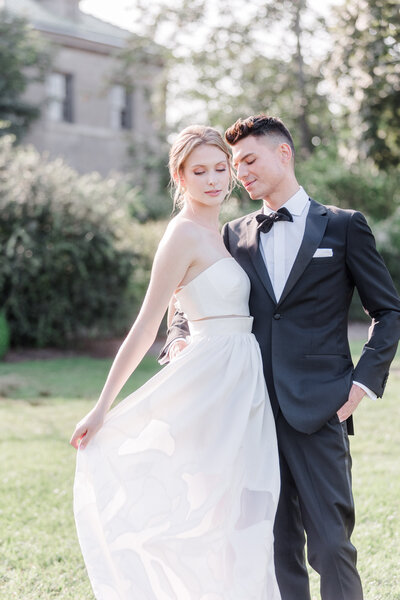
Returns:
point(258, 125)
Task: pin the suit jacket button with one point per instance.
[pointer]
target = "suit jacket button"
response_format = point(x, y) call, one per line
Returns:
point(277, 316)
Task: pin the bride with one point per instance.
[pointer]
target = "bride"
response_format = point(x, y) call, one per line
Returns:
point(176, 487)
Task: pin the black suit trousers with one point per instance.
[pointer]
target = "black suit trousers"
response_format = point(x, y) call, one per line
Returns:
point(316, 497)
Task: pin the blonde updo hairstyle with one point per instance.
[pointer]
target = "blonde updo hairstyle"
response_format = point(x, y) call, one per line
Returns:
point(190, 138)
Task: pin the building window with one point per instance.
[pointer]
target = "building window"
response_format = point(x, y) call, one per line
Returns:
point(121, 107)
point(60, 97)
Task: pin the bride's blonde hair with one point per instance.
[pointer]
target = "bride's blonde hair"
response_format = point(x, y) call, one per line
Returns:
point(190, 138)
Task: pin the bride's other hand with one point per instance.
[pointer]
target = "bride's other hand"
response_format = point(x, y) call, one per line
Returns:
point(86, 429)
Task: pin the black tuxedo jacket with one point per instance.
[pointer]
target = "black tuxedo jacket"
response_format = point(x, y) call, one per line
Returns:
point(303, 337)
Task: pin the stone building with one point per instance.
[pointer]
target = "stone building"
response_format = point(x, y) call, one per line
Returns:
point(88, 115)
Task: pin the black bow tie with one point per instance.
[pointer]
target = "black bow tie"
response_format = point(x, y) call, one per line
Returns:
point(265, 222)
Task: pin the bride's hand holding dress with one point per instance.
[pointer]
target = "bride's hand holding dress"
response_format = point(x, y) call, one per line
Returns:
point(87, 428)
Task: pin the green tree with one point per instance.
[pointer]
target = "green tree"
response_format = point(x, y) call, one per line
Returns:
point(228, 62)
point(365, 67)
point(23, 58)
point(265, 61)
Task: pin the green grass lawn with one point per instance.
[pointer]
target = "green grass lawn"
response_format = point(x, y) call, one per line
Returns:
point(40, 402)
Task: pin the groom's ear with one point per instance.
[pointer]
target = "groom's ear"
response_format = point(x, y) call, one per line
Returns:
point(285, 153)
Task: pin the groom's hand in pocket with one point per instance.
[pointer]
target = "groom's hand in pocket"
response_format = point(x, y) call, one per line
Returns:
point(355, 397)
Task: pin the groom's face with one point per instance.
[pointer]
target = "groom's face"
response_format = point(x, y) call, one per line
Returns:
point(261, 164)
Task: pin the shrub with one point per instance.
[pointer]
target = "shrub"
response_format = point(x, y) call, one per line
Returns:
point(388, 242)
point(329, 180)
point(144, 242)
point(65, 241)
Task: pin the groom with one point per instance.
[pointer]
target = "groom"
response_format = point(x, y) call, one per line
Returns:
point(304, 261)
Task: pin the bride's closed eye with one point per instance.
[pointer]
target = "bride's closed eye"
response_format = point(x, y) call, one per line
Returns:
point(202, 172)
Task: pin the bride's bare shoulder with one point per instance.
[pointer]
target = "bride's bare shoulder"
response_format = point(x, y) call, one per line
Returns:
point(181, 228)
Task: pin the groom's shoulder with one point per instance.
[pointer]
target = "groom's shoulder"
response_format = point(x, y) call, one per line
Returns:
point(338, 214)
point(337, 211)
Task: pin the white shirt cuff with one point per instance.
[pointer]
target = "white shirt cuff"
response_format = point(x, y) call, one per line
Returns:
point(370, 393)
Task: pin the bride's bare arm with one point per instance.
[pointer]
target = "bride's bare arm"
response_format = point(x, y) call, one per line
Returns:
point(172, 260)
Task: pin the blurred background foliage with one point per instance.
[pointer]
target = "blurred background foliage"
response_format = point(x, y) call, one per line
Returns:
point(77, 250)
point(24, 57)
point(74, 258)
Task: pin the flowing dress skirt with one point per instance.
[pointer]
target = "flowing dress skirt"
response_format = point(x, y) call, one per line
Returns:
point(175, 497)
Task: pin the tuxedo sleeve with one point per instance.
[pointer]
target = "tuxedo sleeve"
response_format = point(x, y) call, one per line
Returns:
point(179, 330)
point(225, 236)
point(379, 299)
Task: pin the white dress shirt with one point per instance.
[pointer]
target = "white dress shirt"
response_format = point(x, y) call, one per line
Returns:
point(281, 244)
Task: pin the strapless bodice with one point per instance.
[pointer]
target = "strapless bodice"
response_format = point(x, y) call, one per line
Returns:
point(220, 290)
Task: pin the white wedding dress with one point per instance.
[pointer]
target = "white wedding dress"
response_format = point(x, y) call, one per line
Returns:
point(175, 496)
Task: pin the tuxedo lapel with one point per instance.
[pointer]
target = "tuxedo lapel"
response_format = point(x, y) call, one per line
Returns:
point(253, 241)
point(317, 220)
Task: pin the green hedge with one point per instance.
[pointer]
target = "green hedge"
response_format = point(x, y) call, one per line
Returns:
point(65, 242)
point(388, 242)
point(360, 186)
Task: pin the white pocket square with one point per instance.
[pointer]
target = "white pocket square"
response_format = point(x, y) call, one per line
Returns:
point(323, 252)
